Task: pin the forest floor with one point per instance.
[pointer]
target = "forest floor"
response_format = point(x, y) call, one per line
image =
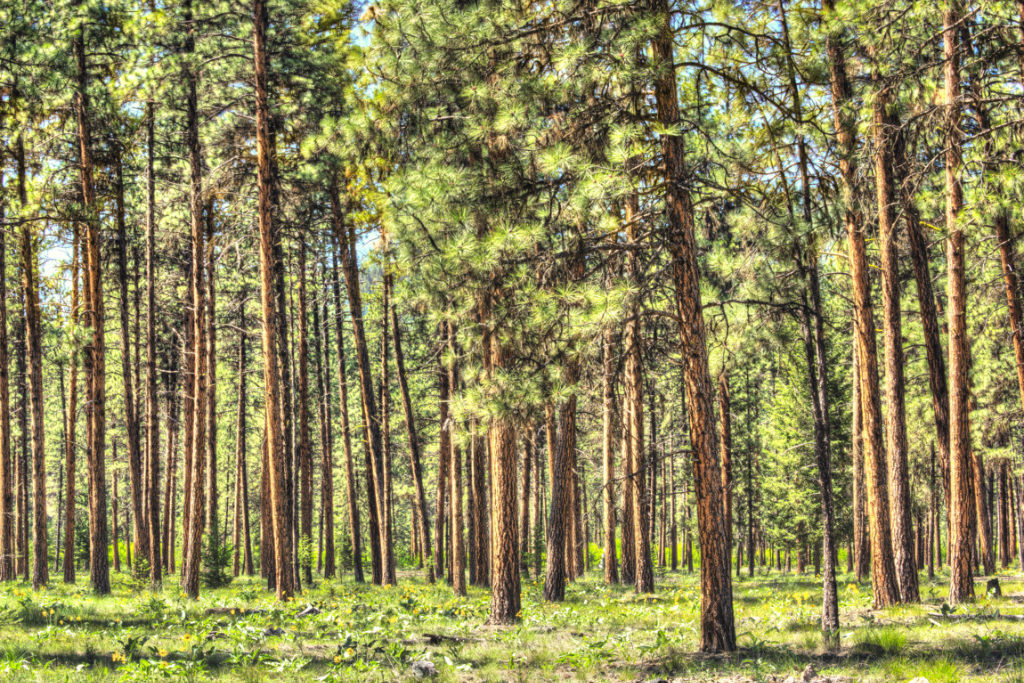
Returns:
point(361, 633)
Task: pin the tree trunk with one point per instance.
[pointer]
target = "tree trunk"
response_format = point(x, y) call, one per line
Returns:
point(455, 469)
point(504, 561)
point(152, 418)
point(479, 459)
point(95, 368)
point(895, 417)
point(322, 338)
point(131, 423)
point(170, 381)
point(611, 569)
point(386, 516)
point(717, 629)
point(269, 238)
point(524, 509)
point(33, 341)
point(23, 441)
point(725, 431)
point(195, 459)
point(305, 451)
point(415, 460)
point(443, 455)
point(113, 513)
point(961, 582)
point(355, 534)
point(1004, 515)
point(6, 472)
point(1007, 258)
point(350, 267)
point(212, 496)
point(560, 517)
point(862, 561)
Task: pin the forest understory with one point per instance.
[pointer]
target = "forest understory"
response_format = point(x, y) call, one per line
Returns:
point(342, 631)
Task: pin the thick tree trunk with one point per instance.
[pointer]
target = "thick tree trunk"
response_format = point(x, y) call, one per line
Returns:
point(506, 597)
point(195, 459)
point(718, 629)
point(269, 239)
point(886, 589)
point(95, 368)
point(895, 402)
point(560, 517)
point(961, 581)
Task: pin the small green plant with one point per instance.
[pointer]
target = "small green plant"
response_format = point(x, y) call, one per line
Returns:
point(215, 563)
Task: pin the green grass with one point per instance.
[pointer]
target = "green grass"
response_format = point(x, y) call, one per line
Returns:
point(240, 634)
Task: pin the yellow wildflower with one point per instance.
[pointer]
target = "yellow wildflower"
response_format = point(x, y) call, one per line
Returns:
point(337, 660)
point(349, 652)
point(162, 652)
point(187, 637)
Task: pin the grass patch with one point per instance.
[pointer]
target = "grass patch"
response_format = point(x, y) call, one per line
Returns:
point(884, 641)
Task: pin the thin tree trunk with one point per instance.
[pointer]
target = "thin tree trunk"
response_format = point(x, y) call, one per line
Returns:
point(415, 460)
point(6, 472)
point(386, 516)
point(611, 570)
point(305, 451)
point(152, 418)
point(1008, 260)
point(346, 242)
point(212, 497)
point(33, 341)
point(355, 535)
point(322, 338)
point(455, 469)
point(860, 532)
point(725, 434)
point(524, 509)
point(131, 422)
